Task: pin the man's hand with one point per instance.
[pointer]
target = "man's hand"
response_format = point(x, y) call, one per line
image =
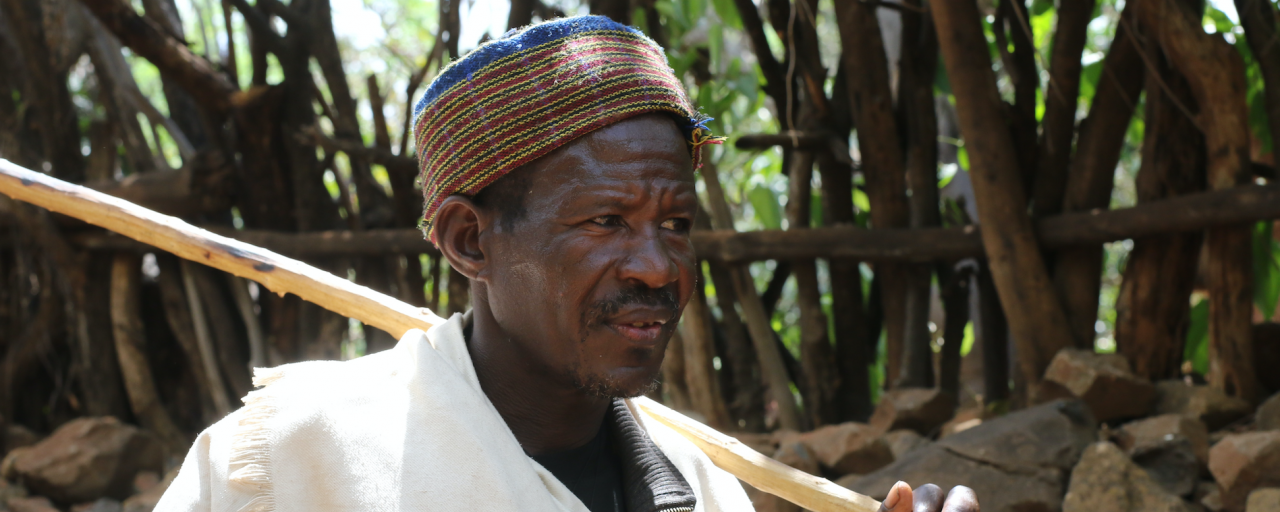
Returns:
point(928, 498)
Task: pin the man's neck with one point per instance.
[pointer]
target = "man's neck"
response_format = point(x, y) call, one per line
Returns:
point(545, 414)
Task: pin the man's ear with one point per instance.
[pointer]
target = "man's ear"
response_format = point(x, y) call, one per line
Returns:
point(459, 224)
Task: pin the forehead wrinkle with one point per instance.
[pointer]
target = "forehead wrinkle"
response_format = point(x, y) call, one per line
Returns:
point(626, 194)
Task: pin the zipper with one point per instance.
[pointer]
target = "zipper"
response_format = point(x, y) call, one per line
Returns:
point(678, 509)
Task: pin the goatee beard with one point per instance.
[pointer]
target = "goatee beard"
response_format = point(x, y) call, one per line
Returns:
point(600, 386)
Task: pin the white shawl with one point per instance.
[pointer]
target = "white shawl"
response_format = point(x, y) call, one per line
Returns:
point(407, 429)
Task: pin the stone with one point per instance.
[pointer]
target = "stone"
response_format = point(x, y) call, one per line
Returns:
point(145, 480)
point(1145, 434)
point(1263, 500)
point(902, 442)
point(1049, 435)
point(11, 490)
point(1172, 464)
point(1212, 501)
point(1103, 381)
point(963, 420)
point(764, 502)
point(797, 455)
point(1268, 415)
point(919, 409)
point(102, 505)
point(1211, 406)
point(36, 504)
point(1173, 449)
point(1106, 480)
point(1244, 462)
point(1015, 463)
point(18, 436)
point(1208, 495)
point(146, 501)
point(85, 459)
point(848, 448)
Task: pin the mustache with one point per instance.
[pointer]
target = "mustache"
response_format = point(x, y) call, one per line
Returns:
point(658, 298)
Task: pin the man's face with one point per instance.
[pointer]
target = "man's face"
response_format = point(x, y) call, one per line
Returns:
point(589, 284)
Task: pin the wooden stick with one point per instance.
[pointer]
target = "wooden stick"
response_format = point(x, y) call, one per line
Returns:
point(810, 492)
point(283, 275)
point(204, 341)
point(277, 273)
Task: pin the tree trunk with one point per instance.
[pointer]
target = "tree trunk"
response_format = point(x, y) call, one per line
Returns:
point(101, 384)
point(130, 342)
point(179, 314)
point(821, 379)
point(758, 326)
point(617, 10)
point(849, 322)
point(1215, 72)
point(1153, 309)
point(46, 92)
point(699, 352)
point(1058, 128)
point(674, 388)
point(919, 64)
point(1078, 271)
point(992, 331)
point(206, 343)
point(1013, 28)
point(955, 301)
point(1258, 17)
point(882, 160)
point(1035, 315)
point(747, 402)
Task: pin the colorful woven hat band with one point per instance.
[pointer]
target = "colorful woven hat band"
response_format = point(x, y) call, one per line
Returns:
point(520, 97)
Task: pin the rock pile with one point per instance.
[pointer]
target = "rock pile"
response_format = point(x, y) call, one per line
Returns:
point(1105, 440)
point(87, 465)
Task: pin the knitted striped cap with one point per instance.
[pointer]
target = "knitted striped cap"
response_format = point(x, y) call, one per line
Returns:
point(518, 98)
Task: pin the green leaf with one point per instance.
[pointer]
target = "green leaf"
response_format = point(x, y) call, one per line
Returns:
point(1266, 269)
point(715, 45)
point(967, 344)
point(861, 201)
point(765, 203)
point(1197, 348)
point(728, 13)
point(815, 209)
point(1218, 19)
point(963, 157)
point(693, 10)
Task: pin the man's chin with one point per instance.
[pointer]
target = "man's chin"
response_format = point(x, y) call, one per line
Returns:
point(624, 383)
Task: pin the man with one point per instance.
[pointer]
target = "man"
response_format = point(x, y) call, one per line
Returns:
point(558, 175)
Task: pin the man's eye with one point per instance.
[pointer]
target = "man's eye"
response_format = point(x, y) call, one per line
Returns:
point(680, 225)
point(607, 220)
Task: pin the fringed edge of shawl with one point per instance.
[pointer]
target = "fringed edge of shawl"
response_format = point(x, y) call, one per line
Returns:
point(250, 446)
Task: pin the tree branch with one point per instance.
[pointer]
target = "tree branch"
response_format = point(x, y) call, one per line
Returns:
point(174, 60)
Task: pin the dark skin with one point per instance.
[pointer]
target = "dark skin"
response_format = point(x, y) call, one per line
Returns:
point(574, 302)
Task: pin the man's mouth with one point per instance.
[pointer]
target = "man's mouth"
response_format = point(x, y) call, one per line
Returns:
point(641, 331)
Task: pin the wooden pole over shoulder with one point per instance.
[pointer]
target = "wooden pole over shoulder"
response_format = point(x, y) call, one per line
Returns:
point(283, 275)
point(279, 274)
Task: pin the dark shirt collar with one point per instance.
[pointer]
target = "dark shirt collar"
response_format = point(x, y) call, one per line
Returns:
point(650, 482)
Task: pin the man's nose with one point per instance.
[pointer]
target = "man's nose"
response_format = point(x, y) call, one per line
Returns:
point(650, 262)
